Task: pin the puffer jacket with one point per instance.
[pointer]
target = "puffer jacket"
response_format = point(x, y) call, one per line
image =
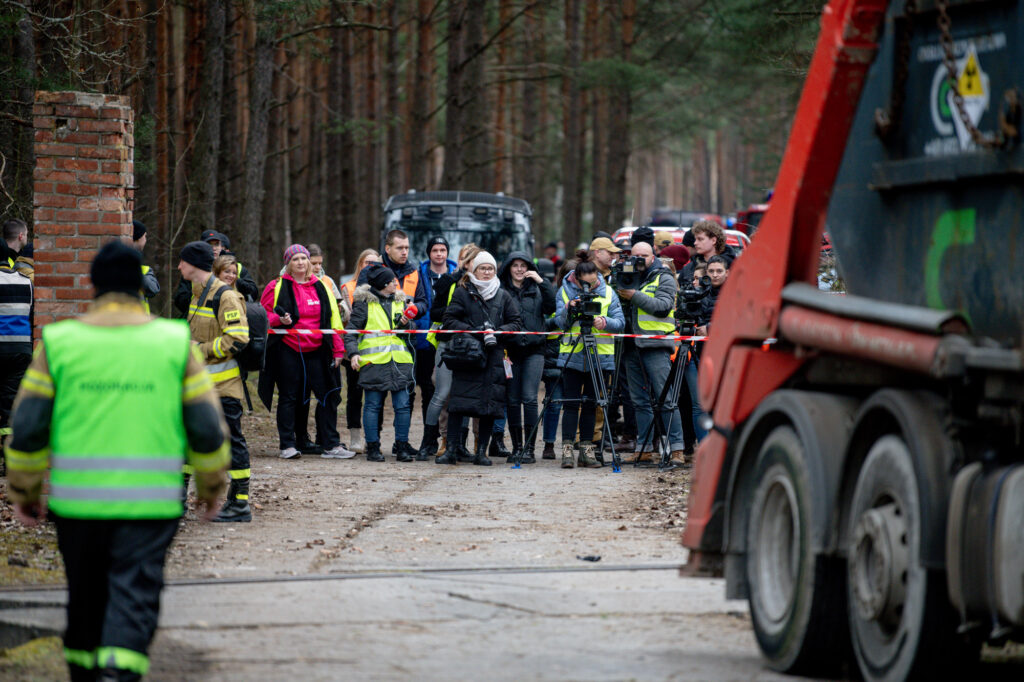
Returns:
point(394, 376)
point(536, 303)
point(481, 393)
point(660, 305)
point(615, 321)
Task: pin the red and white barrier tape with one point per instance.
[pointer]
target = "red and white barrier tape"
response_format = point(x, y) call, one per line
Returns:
point(307, 332)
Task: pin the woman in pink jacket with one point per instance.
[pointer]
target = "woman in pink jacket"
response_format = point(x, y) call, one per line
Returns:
point(297, 363)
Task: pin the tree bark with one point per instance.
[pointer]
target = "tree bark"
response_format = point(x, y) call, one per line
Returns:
point(572, 180)
point(618, 128)
point(420, 137)
point(599, 125)
point(478, 164)
point(256, 145)
point(391, 119)
point(500, 142)
point(453, 120)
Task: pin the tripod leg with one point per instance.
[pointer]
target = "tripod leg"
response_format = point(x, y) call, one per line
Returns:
point(593, 361)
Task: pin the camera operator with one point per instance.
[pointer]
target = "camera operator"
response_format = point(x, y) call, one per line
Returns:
point(582, 288)
point(717, 272)
point(651, 297)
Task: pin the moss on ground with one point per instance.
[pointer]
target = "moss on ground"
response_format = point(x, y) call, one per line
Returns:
point(40, 660)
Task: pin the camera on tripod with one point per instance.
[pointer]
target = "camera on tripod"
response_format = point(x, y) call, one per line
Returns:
point(688, 306)
point(585, 310)
point(629, 272)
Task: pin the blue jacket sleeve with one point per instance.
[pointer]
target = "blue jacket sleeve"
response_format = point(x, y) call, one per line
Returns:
point(616, 320)
point(560, 309)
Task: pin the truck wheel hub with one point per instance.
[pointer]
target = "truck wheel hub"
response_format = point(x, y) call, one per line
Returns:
point(880, 559)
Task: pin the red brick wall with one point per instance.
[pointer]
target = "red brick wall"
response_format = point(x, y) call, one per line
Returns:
point(84, 176)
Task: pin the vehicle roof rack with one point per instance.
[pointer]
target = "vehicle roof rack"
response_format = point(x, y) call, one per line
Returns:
point(458, 197)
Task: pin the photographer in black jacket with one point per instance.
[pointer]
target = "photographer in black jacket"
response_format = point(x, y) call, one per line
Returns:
point(717, 272)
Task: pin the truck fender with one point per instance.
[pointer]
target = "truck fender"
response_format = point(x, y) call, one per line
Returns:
point(920, 418)
point(823, 422)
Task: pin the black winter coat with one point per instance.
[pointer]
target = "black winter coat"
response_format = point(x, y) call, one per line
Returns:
point(481, 393)
point(536, 302)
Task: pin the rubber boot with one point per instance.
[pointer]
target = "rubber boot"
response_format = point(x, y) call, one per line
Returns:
point(462, 453)
point(481, 450)
point(428, 448)
point(357, 444)
point(498, 448)
point(373, 453)
point(402, 451)
point(236, 508)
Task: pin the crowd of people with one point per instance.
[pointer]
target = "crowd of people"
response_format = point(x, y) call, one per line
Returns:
point(483, 383)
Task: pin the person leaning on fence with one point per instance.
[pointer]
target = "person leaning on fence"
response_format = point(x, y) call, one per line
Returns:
point(536, 300)
point(114, 403)
point(435, 421)
point(479, 304)
point(297, 300)
point(384, 360)
point(576, 383)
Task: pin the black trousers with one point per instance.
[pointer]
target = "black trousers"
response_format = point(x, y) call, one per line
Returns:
point(577, 385)
point(353, 399)
point(12, 369)
point(115, 572)
point(424, 370)
point(455, 428)
point(297, 374)
point(232, 408)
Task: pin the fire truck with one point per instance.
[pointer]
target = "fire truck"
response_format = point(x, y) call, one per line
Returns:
point(863, 483)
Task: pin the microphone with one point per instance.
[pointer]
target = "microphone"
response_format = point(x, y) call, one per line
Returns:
point(410, 311)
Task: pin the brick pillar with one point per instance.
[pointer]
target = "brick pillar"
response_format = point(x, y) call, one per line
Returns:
point(84, 175)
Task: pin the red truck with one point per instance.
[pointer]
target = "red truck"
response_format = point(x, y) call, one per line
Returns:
point(863, 483)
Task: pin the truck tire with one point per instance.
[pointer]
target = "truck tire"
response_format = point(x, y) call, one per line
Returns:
point(901, 623)
point(795, 596)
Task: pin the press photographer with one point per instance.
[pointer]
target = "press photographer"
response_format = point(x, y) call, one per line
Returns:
point(649, 298)
point(708, 286)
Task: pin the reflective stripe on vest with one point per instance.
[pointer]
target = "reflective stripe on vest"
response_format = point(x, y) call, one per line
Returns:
point(431, 336)
point(335, 315)
point(651, 324)
point(117, 434)
point(379, 348)
point(570, 339)
point(16, 294)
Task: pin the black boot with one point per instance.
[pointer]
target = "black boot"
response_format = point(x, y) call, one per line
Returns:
point(373, 453)
point(402, 451)
point(451, 452)
point(527, 456)
point(516, 435)
point(307, 447)
point(236, 507)
point(498, 448)
point(481, 451)
point(428, 448)
point(462, 453)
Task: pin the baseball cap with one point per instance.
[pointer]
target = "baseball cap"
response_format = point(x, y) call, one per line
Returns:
point(604, 243)
point(663, 238)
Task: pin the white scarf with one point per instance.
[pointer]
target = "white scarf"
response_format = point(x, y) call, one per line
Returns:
point(487, 289)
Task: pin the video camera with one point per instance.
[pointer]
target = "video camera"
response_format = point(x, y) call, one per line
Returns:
point(586, 310)
point(688, 306)
point(629, 272)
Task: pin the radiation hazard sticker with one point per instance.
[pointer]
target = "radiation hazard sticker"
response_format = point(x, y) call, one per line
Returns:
point(973, 86)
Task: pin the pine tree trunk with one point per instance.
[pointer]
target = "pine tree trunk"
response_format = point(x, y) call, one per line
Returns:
point(453, 121)
point(256, 146)
point(394, 153)
point(572, 180)
point(500, 152)
point(618, 129)
point(420, 138)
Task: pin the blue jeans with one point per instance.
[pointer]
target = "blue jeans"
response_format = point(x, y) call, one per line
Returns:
point(691, 384)
point(373, 402)
point(522, 391)
point(554, 388)
point(656, 362)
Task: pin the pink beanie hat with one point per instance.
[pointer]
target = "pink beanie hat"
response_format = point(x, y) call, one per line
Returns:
point(294, 249)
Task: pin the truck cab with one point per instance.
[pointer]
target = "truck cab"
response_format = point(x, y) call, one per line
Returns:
point(495, 222)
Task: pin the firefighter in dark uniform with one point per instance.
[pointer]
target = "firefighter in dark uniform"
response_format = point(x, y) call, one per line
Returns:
point(217, 320)
point(113, 403)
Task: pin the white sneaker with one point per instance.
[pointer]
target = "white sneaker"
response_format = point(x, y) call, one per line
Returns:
point(338, 452)
point(357, 442)
point(290, 453)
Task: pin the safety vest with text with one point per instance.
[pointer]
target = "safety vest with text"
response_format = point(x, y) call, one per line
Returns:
point(117, 436)
point(570, 339)
point(377, 347)
point(331, 301)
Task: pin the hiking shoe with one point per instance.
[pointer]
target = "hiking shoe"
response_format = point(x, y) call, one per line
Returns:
point(587, 458)
point(568, 456)
point(290, 453)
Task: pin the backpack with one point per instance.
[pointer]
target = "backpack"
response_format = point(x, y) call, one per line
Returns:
point(250, 358)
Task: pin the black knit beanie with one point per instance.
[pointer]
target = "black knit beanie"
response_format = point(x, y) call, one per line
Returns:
point(380, 277)
point(434, 241)
point(117, 268)
point(642, 234)
point(199, 254)
point(138, 229)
